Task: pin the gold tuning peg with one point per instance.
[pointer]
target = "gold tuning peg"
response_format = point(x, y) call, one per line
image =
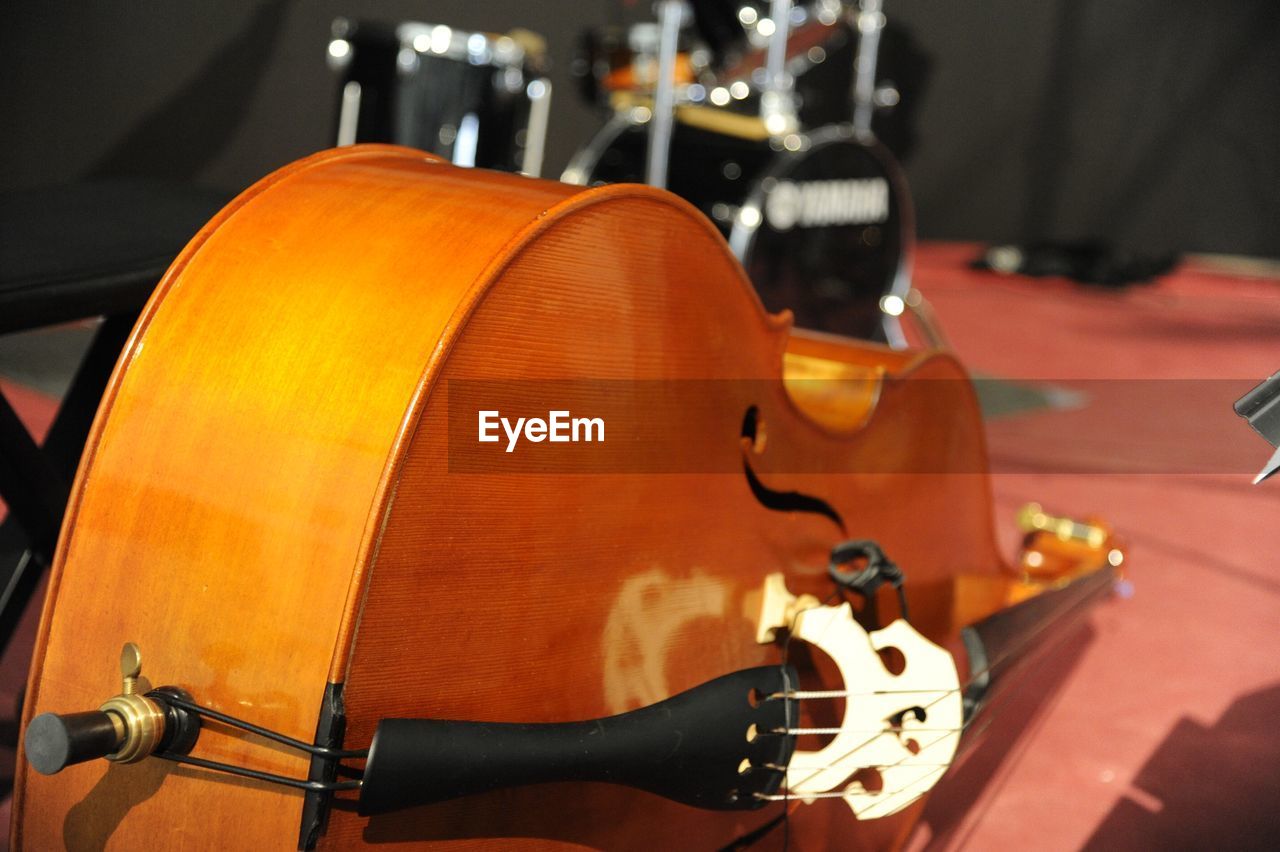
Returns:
point(1033, 518)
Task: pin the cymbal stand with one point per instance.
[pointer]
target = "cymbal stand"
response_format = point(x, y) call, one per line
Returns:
point(671, 15)
point(777, 102)
point(869, 21)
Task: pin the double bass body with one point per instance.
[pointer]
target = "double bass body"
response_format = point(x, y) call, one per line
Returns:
point(276, 503)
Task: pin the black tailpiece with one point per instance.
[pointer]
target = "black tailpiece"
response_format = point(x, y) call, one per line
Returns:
point(710, 747)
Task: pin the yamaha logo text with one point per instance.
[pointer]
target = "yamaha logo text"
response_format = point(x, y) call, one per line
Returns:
point(819, 203)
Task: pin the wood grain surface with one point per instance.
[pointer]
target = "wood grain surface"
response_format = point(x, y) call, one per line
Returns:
point(270, 500)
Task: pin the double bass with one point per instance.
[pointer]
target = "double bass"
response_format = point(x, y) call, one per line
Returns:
point(441, 507)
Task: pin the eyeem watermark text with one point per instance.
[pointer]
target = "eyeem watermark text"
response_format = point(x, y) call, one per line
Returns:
point(559, 428)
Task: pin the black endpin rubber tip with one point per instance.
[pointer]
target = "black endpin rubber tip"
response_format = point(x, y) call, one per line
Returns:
point(54, 742)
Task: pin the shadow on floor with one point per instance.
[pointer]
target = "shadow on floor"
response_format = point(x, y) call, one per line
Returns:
point(1212, 787)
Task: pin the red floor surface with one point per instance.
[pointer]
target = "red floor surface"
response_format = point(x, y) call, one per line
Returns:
point(1161, 734)
point(1153, 727)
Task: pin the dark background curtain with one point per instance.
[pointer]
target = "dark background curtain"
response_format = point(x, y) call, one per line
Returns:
point(1153, 124)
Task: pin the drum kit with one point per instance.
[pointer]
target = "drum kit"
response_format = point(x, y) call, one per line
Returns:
point(758, 113)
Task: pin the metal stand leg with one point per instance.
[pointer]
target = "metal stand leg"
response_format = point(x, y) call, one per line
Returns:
point(671, 15)
point(35, 481)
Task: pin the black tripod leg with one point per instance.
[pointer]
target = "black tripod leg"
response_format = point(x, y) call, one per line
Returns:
point(35, 481)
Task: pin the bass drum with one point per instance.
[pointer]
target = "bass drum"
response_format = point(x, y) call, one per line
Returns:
point(476, 99)
point(828, 231)
point(825, 230)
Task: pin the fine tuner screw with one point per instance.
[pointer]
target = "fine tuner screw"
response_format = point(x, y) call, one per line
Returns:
point(142, 720)
point(130, 668)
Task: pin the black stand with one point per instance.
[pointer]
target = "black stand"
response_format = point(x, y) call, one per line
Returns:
point(68, 253)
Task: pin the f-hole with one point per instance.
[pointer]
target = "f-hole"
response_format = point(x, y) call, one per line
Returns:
point(753, 441)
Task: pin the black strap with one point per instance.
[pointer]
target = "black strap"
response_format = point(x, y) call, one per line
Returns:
point(880, 569)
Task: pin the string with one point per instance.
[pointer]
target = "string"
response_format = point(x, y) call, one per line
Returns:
point(987, 720)
point(1064, 616)
point(778, 767)
point(936, 768)
point(839, 593)
point(900, 761)
point(786, 809)
point(813, 694)
point(973, 677)
point(1069, 617)
point(800, 732)
point(919, 780)
point(843, 794)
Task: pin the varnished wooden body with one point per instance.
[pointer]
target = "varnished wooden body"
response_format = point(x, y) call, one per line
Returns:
point(267, 503)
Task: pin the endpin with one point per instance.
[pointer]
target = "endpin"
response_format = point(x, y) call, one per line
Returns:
point(125, 729)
